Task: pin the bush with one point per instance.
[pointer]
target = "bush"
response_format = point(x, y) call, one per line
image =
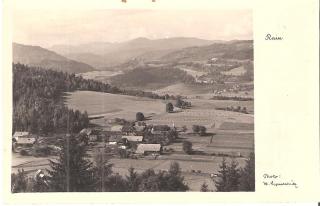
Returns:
point(196, 128)
point(187, 147)
point(202, 130)
point(24, 152)
point(169, 107)
point(139, 116)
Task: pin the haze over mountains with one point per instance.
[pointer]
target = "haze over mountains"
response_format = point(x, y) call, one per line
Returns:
point(104, 54)
point(40, 57)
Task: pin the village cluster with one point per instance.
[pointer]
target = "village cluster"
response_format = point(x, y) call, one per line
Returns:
point(132, 140)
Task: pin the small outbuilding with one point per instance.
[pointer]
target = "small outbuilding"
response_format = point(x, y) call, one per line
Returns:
point(148, 149)
point(23, 138)
point(131, 138)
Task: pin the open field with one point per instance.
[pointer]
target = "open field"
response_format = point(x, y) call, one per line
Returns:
point(185, 90)
point(235, 72)
point(113, 105)
point(99, 75)
point(192, 72)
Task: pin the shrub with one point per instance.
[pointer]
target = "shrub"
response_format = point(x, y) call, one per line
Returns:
point(169, 107)
point(196, 128)
point(139, 116)
point(202, 130)
point(24, 152)
point(187, 147)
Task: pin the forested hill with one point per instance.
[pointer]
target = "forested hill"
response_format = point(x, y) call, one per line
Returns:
point(46, 59)
point(37, 103)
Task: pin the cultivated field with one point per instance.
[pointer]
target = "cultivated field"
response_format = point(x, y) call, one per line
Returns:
point(113, 105)
point(99, 75)
point(235, 72)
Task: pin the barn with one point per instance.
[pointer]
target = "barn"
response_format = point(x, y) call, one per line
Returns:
point(148, 149)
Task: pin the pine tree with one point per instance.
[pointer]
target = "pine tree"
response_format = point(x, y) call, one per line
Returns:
point(102, 171)
point(247, 179)
point(204, 187)
point(72, 172)
point(133, 180)
point(222, 177)
point(233, 176)
point(174, 181)
point(19, 182)
point(228, 177)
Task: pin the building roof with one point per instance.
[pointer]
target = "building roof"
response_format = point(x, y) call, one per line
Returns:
point(131, 138)
point(139, 128)
point(26, 140)
point(116, 128)
point(86, 131)
point(141, 148)
point(161, 128)
point(20, 134)
point(89, 131)
point(114, 138)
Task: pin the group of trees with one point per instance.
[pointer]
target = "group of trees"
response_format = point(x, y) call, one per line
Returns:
point(187, 147)
point(72, 171)
point(143, 76)
point(201, 130)
point(231, 178)
point(169, 107)
point(37, 101)
point(181, 103)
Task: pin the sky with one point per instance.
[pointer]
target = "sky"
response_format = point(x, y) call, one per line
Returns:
point(51, 27)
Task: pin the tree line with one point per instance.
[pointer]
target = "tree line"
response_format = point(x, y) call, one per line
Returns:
point(38, 99)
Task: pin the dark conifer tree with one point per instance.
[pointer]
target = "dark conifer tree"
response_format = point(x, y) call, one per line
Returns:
point(204, 187)
point(71, 172)
point(247, 179)
point(222, 177)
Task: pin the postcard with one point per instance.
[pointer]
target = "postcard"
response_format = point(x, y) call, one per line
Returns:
point(159, 101)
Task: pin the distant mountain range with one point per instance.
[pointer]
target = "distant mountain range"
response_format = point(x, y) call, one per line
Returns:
point(129, 54)
point(104, 54)
point(239, 50)
point(38, 56)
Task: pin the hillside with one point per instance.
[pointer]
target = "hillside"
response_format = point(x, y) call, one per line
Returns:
point(239, 50)
point(151, 78)
point(40, 57)
point(104, 54)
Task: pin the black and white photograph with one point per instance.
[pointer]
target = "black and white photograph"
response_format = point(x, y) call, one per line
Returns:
point(132, 100)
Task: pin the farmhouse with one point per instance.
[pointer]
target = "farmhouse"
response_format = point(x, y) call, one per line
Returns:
point(16, 135)
point(23, 138)
point(148, 148)
point(131, 138)
point(90, 133)
point(116, 128)
point(159, 129)
point(114, 139)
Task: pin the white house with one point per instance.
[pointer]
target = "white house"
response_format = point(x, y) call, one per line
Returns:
point(23, 138)
point(148, 148)
point(131, 138)
point(116, 128)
